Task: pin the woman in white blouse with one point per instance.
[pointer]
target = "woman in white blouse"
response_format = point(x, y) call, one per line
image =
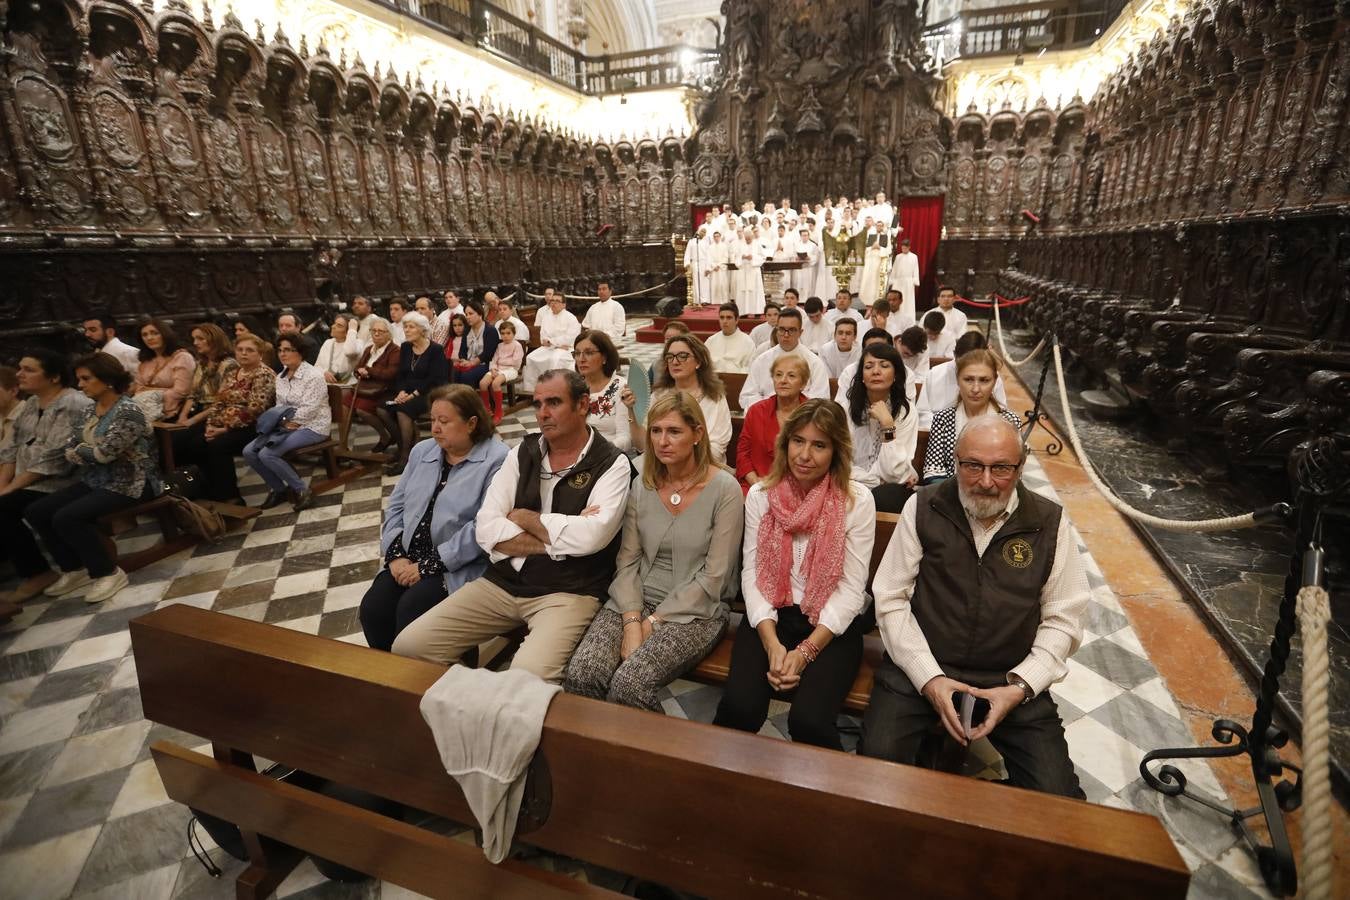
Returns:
point(885, 427)
point(809, 529)
point(689, 368)
point(597, 361)
point(338, 355)
point(301, 387)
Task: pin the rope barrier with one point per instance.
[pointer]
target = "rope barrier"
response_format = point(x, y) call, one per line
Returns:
point(1002, 301)
point(655, 287)
point(1314, 611)
point(1225, 523)
point(1007, 357)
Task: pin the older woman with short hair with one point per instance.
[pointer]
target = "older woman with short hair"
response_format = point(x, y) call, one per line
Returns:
point(676, 567)
point(764, 419)
point(115, 458)
point(375, 373)
point(428, 538)
point(338, 355)
point(809, 529)
point(422, 366)
point(231, 425)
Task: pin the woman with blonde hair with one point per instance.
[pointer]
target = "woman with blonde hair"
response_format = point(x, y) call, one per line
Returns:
point(976, 376)
point(689, 368)
point(809, 530)
point(759, 434)
point(676, 568)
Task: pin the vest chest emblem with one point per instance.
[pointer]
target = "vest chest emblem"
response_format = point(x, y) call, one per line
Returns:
point(1017, 553)
point(581, 479)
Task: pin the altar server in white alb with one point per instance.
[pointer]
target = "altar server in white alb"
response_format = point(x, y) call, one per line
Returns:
point(719, 254)
point(904, 278)
point(730, 348)
point(874, 260)
point(748, 278)
point(606, 314)
point(695, 254)
point(558, 330)
point(809, 255)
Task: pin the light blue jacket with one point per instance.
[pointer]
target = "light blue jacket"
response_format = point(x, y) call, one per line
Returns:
point(452, 522)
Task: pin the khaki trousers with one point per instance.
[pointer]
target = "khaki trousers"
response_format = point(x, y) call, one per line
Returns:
point(481, 610)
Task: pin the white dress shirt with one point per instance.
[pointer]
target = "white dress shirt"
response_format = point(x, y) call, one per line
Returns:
point(836, 360)
point(607, 316)
point(1063, 601)
point(816, 333)
point(956, 323)
point(567, 535)
point(522, 330)
point(340, 359)
point(308, 393)
point(759, 380)
point(849, 597)
point(730, 354)
point(127, 355)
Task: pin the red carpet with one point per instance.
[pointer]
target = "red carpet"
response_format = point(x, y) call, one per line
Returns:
point(702, 321)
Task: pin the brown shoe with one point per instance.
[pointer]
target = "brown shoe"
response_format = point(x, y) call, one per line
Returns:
point(29, 588)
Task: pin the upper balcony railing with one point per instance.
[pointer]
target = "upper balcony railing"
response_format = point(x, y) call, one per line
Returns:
point(486, 26)
point(1022, 28)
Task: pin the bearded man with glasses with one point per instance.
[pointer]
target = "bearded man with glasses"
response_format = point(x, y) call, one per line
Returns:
point(980, 598)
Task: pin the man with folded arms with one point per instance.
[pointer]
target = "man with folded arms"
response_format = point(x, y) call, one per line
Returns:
point(550, 524)
point(981, 591)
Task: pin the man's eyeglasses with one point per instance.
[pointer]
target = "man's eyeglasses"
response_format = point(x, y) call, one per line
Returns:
point(782, 330)
point(679, 357)
point(998, 470)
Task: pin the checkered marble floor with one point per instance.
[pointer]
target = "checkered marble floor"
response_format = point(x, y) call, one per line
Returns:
point(82, 811)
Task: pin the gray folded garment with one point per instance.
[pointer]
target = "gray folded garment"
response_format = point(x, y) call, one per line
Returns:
point(487, 726)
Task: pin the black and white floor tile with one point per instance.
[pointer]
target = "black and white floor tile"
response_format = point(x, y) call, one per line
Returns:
point(83, 814)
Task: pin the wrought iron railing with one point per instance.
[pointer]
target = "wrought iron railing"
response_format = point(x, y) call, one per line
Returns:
point(481, 24)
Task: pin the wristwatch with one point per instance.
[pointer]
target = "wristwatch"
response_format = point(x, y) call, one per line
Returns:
point(888, 434)
point(1027, 693)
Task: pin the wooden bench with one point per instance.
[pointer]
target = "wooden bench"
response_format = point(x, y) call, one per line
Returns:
point(173, 539)
point(325, 453)
point(712, 811)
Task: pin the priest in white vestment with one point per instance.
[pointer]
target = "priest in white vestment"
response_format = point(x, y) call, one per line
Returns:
point(558, 330)
point(694, 253)
point(805, 278)
point(904, 278)
point(748, 278)
point(874, 260)
point(719, 254)
point(606, 314)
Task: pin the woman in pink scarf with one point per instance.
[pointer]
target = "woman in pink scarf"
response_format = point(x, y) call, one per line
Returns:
point(808, 542)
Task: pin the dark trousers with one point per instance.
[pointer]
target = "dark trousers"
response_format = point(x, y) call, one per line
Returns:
point(819, 695)
point(471, 377)
point(17, 542)
point(218, 463)
point(388, 607)
point(890, 498)
point(1030, 738)
point(189, 445)
point(65, 521)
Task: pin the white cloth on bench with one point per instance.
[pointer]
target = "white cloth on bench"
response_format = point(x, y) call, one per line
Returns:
point(487, 727)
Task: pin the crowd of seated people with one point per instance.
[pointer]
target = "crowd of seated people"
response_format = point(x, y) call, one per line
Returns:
point(621, 545)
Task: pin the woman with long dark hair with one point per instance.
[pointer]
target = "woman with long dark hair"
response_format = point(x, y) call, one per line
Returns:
point(885, 427)
point(166, 370)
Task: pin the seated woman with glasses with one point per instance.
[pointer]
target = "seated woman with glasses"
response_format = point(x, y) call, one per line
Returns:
point(885, 427)
point(809, 529)
point(677, 565)
point(597, 361)
point(976, 374)
point(300, 387)
point(689, 368)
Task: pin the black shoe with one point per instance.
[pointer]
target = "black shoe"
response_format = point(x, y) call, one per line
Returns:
point(272, 499)
point(304, 499)
point(394, 468)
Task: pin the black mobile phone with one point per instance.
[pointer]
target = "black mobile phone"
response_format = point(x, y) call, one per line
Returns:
point(970, 709)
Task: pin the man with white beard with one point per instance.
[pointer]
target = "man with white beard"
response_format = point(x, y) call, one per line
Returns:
point(981, 592)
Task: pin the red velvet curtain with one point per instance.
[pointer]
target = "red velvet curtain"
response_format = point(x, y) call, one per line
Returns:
point(698, 214)
point(921, 219)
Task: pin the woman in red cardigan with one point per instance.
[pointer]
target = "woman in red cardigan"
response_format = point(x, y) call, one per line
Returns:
point(755, 448)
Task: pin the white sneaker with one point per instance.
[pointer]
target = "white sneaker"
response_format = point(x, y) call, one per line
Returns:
point(106, 587)
point(68, 583)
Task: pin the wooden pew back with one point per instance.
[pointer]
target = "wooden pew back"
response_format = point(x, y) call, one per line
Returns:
point(696, 807)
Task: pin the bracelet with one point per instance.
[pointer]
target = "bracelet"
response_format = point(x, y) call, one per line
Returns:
point(808, 650)
point(631, 619)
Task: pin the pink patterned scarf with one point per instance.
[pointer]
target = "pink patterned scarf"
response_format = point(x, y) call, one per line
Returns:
point(820, 513)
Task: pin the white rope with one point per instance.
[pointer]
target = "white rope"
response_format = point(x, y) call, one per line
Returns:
point(1314, 611)
point(1226, 523)
point(655, 287)
point(1007, 357)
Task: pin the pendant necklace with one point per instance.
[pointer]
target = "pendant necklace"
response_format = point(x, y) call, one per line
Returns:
point(675, 497)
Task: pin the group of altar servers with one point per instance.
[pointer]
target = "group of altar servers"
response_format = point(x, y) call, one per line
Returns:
point(725, 258)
